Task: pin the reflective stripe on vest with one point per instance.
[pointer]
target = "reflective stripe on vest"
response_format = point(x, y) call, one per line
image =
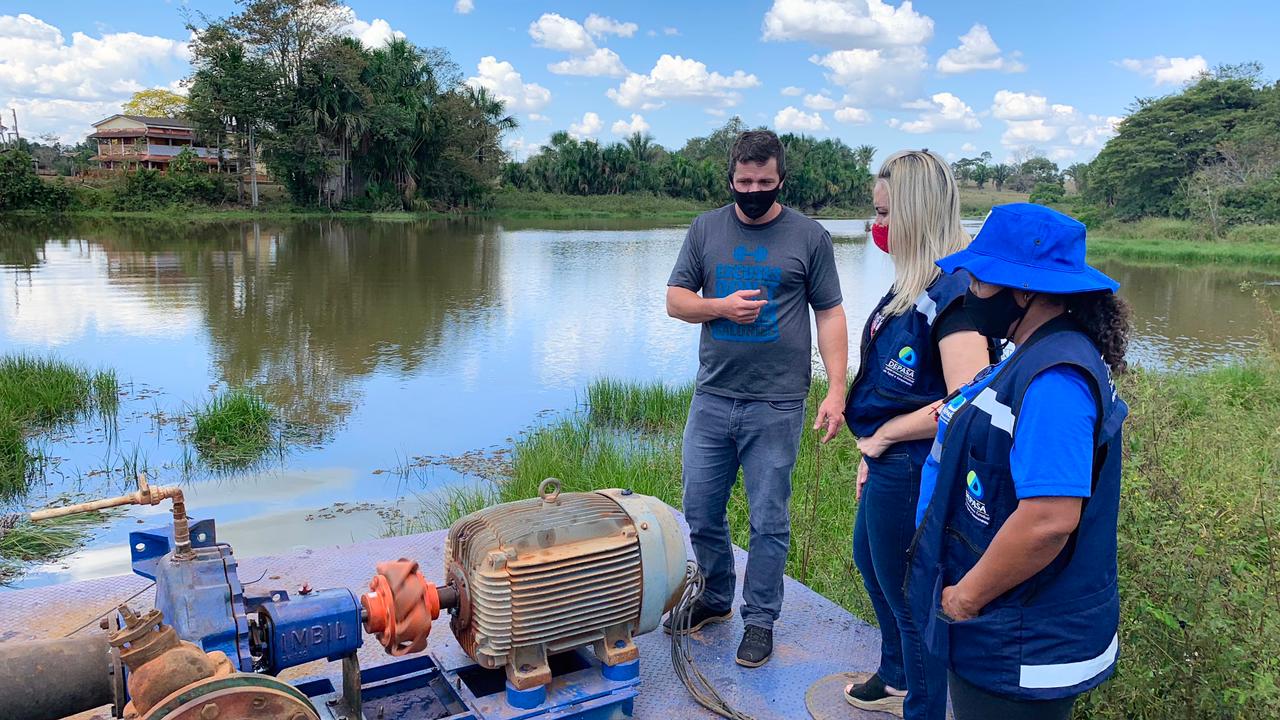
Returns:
point(1061, 675)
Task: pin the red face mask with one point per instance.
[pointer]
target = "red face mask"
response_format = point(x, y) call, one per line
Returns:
point(880, 236)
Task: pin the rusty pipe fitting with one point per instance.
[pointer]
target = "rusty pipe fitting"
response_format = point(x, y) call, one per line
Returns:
point(159, 663)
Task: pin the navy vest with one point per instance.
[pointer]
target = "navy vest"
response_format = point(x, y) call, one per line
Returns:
point(1055, 635)
point(901, 369)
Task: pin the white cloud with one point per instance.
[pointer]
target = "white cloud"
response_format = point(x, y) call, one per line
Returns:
point(373, 34)
point(875, 77)
point(462, 7)
point(538, 117)
point(555, 32)
point(853, 116)
point(847, 23)
point(789, 118)
point(1019, 106)
point(977, 51)
point(792, 91)
point(1166, 70)
point(677, 78)
point(600, 26)
point(715, 112)
point(624, 128)
point(968, 147)
point(946, 113)
point(1061, 130)
point(500, 78)
point(601, 62)
point(520, 149)
point(670, 31)
point(61, 86)
point(820, 101)
point(589, 127)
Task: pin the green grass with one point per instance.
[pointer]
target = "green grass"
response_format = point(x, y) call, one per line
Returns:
point(234, 428)
point(527, 204)
point(22, 541)
point(979, 202)
point(1183, 241)
point(38, 394)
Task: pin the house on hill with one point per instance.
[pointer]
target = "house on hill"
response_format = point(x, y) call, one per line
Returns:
point(134, 141)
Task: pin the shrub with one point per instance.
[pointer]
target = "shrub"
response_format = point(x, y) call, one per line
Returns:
point(1046, 193)
point(1254, 234)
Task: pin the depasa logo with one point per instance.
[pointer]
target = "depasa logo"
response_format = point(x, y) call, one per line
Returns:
point(973, 499)
point(902, 368)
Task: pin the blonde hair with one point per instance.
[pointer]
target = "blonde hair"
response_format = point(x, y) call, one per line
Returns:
point(924, 221)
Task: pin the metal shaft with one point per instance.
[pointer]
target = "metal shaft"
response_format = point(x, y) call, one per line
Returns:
point(51, 679)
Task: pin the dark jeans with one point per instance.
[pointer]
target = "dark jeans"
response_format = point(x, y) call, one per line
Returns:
point(763, 438)
point(882, 533)
point(970, 702)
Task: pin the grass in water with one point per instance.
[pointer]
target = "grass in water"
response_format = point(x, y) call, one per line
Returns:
point(39, 394)
point(23, 541)
point(234, 428)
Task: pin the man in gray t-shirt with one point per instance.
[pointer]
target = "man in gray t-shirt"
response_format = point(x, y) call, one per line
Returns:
point(759, 268)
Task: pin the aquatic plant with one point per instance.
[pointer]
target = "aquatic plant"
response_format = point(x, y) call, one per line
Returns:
point(234, 428)
point(45, 392)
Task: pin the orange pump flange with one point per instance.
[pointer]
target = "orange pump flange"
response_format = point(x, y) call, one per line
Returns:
point(400, 606)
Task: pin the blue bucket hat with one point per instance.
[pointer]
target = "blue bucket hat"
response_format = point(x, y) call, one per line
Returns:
point(1030, 247)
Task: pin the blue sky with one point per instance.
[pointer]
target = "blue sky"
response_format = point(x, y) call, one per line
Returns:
point(960, 78)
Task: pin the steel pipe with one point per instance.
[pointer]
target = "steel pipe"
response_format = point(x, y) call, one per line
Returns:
point(51, 679)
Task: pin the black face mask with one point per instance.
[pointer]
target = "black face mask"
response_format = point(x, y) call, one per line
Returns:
point(996, 315)
point(755, 204)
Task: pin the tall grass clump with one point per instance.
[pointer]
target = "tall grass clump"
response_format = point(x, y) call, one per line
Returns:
point(44, 392)
point(40, 394)
point(235, 427)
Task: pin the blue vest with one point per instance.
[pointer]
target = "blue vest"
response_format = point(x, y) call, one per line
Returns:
point(1055, 635)
point(901, 369)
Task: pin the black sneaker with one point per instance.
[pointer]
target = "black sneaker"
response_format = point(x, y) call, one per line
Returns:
point(756, 646)
point(872, 695)
point(701, 615)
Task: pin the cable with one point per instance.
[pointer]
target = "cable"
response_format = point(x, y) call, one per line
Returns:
point(681, 651)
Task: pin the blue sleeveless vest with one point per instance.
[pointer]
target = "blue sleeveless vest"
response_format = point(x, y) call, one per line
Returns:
point(1055, 635)
point(901, 370)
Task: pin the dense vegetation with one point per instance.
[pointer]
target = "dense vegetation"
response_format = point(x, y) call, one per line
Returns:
point(821, 174)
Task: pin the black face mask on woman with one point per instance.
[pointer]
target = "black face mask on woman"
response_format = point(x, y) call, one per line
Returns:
point(996, 315)
point(755, 204)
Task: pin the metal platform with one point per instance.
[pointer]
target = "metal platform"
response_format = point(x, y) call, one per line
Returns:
point(813, 638)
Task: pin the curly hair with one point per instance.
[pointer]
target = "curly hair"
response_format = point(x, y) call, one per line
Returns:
point(1106, 319)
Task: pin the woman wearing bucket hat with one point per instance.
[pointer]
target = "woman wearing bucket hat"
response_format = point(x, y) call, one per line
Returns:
point(1013, 567)
point(917, 346)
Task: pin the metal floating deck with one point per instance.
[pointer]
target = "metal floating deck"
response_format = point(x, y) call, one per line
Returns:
point(813, 638)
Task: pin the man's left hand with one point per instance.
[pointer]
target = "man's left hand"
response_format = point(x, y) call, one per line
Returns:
point(830, 416)
point(957, 604)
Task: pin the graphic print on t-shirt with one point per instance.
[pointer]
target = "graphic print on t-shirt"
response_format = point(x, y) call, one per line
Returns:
point(749, 273)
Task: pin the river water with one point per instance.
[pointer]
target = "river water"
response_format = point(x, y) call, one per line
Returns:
point(392, 343)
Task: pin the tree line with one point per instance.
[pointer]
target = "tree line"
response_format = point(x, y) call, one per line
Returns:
point(820, 173)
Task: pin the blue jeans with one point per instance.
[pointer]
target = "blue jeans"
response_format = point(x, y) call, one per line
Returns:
point(881, 535)
point(762, 437)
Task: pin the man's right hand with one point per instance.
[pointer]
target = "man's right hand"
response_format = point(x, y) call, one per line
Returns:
point(740, 307)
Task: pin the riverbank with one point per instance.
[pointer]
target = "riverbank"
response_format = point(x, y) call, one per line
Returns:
point(514, 204)
point(1185, 241)
point(1198, 546)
